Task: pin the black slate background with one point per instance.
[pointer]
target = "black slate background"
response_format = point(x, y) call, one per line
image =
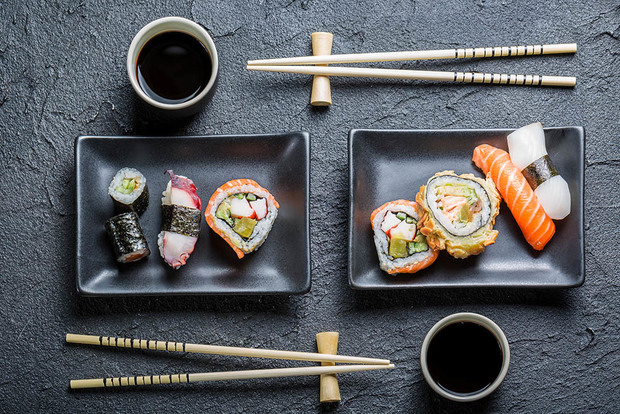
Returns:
point(62, 74)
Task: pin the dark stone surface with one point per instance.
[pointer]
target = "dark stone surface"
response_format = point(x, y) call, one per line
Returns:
point(62, 74)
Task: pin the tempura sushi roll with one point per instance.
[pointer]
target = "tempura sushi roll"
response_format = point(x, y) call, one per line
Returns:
point(528, 152)
point(180, 207)
point(401, 249)
point(457, 213)
point(129, 191)
point(127, 237)
point(242, 213)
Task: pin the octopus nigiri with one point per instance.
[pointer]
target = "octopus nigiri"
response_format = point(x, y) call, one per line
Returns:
point(181, 220)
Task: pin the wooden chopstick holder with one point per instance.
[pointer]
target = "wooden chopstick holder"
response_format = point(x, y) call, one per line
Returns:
point(321, 90)
point(327, 343)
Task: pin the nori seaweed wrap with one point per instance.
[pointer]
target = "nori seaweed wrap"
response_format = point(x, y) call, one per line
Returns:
point(127, 237)
point(180, 219)
point(129, 191)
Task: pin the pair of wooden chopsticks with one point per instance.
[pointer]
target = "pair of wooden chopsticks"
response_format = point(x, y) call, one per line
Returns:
point(290, 65)
point(364, 364)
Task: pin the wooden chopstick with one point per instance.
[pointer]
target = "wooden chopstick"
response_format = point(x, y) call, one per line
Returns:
point(479, 52)
point(218, 350)
point(220, 376)
point(442, 76)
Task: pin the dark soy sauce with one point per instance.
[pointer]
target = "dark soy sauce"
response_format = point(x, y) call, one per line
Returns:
point(464, 358)
point(173, 67)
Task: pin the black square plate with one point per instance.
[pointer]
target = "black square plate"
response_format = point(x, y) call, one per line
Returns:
point(278, 162)
point(392, 164)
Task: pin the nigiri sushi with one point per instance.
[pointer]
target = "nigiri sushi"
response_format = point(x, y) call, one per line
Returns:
point(528, 153)
point(242, 213)
point(457, 213)
point(400, 247)
point(534, 223)
point(181, 220)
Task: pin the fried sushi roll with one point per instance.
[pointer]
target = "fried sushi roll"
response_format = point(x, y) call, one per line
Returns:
point(180, 206)
point(127, 237)
point(401, 249)
point(242, 213)
point(457, 213)
point(129, 191)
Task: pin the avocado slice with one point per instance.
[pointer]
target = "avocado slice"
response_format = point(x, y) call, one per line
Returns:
point(464, 213)
point(244, 226)
point(398, 248)
point(223, 210)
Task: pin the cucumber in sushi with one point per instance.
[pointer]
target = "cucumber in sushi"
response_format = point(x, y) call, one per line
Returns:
point(127, 237)
point(129, 191)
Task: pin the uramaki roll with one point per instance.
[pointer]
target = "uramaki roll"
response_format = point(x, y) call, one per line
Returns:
point(400, 248)
point(242, 213)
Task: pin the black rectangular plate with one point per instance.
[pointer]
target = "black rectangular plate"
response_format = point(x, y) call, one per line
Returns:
point(391, 164)
point(278, 162)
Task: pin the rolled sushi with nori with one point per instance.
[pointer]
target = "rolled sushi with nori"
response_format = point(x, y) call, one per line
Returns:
point(129, 191)
point(400, 247)
point(457, 213)
point(180, 206)
point(242, 213)
point(127, 237)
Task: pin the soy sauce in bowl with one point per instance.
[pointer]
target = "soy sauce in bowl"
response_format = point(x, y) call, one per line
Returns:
point(464, 358)
point(173, 67)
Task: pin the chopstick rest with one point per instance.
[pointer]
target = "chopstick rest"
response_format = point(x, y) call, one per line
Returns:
point(321, 90)
point(327, 343)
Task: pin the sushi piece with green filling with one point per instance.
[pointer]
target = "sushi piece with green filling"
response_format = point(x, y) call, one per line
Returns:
point(129, 191)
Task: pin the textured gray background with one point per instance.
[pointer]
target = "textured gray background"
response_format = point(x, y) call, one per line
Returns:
point(62, 74)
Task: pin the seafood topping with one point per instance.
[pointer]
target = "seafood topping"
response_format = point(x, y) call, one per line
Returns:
point(400, 229)
point(242, 212)
point(176, 248)
point(182, 192)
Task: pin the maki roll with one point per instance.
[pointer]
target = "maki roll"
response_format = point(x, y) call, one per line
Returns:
point(180, 207)
point(457, 213)
point(401, 249)
point(129, 191)
point(127, 237)
point(528, 152)
point(242, 213)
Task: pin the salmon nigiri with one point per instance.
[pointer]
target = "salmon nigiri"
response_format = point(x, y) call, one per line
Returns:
point(534, 223)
